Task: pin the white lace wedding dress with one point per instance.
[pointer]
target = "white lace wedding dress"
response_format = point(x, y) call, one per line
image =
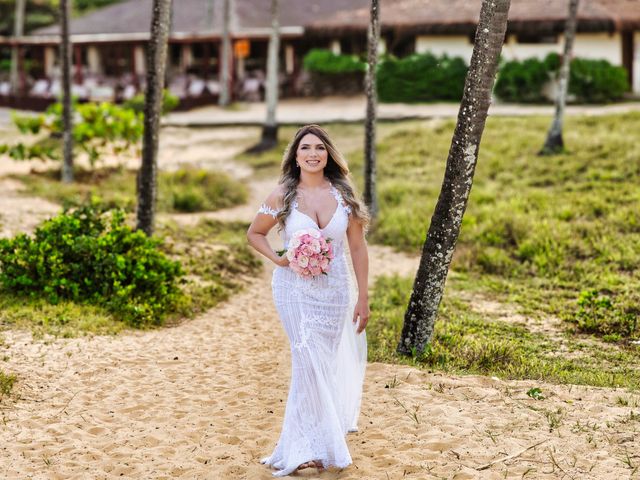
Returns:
point(328, 356)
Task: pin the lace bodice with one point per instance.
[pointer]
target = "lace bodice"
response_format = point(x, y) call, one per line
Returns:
point(335, 229)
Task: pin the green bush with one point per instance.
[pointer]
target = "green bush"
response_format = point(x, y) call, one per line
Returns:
point(325, 61)
point(100, 129)
point(6, 383)
point(194, 190)
point(600, 315)
point(169, 102)
point(89, 256)
point(522, 81)
point(421, 78)
point(591, 81)
point(597, 81)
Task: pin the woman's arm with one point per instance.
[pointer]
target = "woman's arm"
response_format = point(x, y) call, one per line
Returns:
point(360, 259)
point(259, 228)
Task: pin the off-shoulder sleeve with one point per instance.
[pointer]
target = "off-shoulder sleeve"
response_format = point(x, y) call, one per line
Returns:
point(267, 210)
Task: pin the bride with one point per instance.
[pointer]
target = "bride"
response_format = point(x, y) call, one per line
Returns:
point(322, 315)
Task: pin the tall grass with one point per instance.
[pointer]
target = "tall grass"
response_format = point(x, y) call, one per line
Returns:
point(559, 235)
point(468, 342)
point(185, 190)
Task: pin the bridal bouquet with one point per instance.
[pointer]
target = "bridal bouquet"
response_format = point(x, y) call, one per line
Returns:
point(309, 253)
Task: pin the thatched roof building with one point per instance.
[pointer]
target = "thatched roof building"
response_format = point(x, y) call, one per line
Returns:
point(109, 43)
point(461, 17)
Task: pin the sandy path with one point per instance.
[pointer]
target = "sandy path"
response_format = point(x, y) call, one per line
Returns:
point(205, 400)
point(19, 213)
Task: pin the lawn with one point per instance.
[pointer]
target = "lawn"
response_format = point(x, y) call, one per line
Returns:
point(185, 190)
point(558, 235)
point(469, 341)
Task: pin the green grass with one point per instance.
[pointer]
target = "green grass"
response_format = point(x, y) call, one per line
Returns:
point(466, 342)
point(559, 235)
point(185, 190)
point(214, 256)
point(65, 319)
point(6, 383)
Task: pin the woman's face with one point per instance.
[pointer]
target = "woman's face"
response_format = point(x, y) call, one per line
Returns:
point(312, 154)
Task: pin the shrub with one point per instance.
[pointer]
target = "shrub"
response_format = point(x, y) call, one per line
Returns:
point(325, 61)
point(99, 129)
point(194, 190)
point(600, 315)
point(169, 102)
point(89, 256)
point(332, 74)
point(597, 81)
point(591, 81)
point(523, 81)
point(6, 383)
point(421, 78)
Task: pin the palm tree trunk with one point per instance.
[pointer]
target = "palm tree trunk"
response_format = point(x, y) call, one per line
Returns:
point(444, 230)
point(370, 196)
point(156, 66)
point(225, 97)
point(554, 142)
point(270, 128)
point(65, 55)
point(18, 31)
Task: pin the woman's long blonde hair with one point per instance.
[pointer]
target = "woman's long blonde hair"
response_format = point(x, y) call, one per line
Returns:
point(336, 170)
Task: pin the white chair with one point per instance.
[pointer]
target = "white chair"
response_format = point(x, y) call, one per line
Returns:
point(196, 87)
point(5, 88)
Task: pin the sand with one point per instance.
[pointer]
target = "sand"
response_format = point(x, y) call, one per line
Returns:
point(205, 400)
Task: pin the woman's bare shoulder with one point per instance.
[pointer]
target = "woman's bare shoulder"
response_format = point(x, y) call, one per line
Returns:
point(276, 197)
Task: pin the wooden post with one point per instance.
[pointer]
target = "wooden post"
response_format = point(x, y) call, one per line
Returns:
point(77, 53)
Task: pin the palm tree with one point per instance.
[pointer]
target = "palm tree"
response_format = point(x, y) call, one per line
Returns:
point(65, 56)
point(554, 142)
point(370, 196)
point(270, 128)
point(445, 224)
point(18, 31)
point(156, 66)
point(225, 98)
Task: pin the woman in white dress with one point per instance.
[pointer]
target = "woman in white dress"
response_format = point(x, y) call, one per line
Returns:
point(323, 316)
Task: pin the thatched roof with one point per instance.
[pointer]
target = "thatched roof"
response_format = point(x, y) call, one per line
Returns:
point(130, 19)
point(201, 18)
point(461, 17)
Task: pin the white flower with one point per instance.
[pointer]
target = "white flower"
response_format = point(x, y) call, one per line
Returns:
point(294, 243)
point(314, 233)
point(303, 261)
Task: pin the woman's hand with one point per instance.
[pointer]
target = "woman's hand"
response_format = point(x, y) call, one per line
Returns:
point(282, 261)
point(362, 311)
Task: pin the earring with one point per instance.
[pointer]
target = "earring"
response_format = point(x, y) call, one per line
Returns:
point(297, 165)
